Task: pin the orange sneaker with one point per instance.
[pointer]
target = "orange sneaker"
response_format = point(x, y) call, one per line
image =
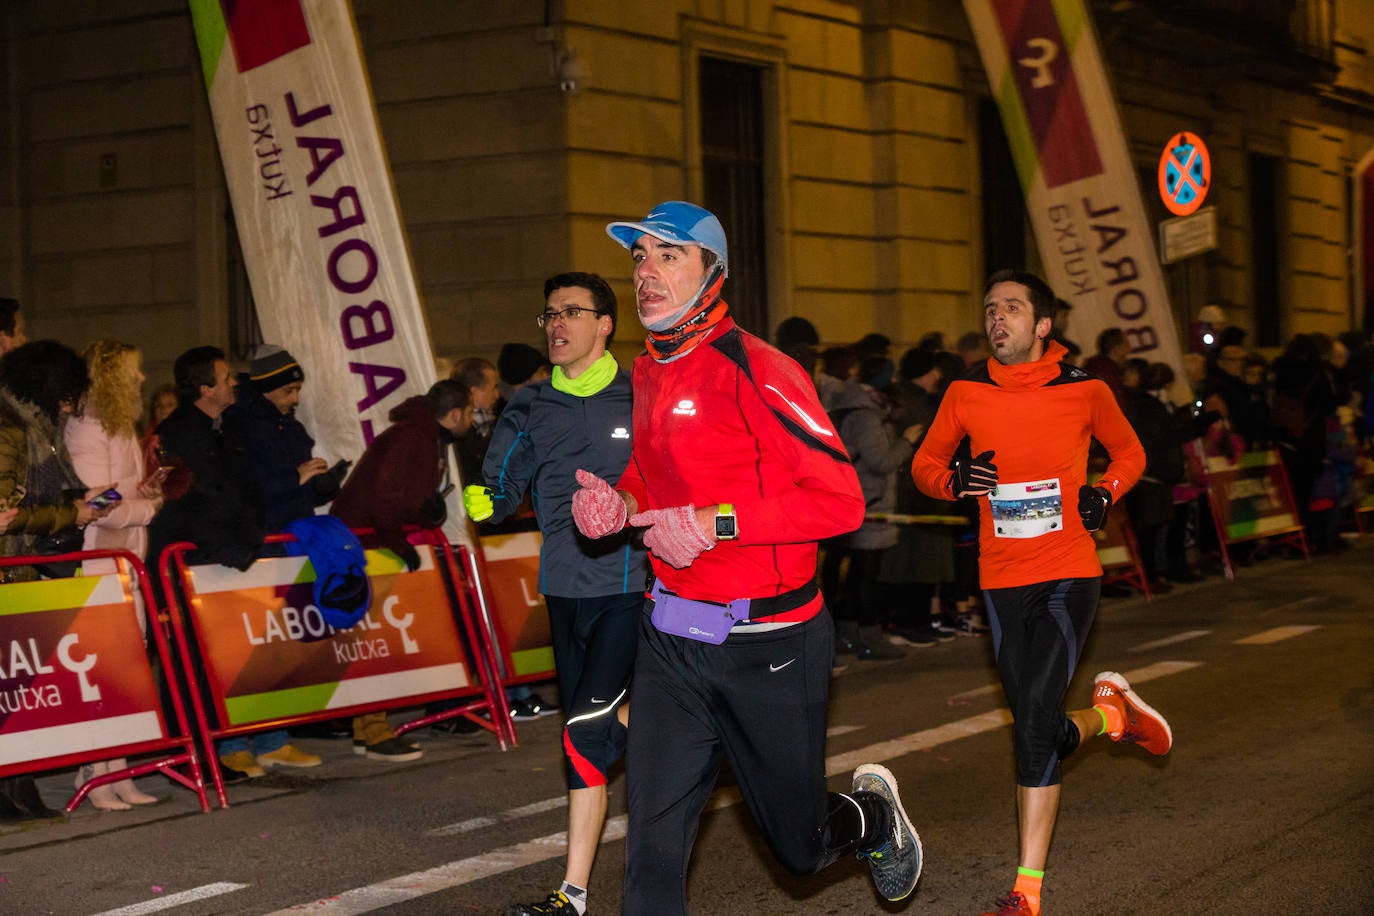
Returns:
point(1141, 724)
point(1014, 904)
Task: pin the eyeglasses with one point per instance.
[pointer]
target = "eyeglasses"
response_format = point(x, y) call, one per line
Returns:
point(572, 314)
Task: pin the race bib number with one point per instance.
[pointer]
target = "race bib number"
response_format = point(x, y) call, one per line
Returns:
point(1026, 510)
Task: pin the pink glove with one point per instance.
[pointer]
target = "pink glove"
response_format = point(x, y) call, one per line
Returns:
point(597, 509)
point(674, 535)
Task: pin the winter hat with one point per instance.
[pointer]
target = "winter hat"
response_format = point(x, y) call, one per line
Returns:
point(274, 368)
point(517, 362)
point(796, 330)
point(916, 362)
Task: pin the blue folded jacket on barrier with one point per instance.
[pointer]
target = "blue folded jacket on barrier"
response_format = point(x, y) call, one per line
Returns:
point(343, 592)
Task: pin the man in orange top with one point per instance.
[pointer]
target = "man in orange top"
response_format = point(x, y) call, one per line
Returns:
point(1029, 418)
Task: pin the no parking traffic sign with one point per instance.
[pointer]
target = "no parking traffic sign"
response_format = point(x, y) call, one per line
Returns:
point(1185, 173)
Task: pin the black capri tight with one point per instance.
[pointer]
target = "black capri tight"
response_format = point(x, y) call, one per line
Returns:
point(594, 652)
point(1038, 632)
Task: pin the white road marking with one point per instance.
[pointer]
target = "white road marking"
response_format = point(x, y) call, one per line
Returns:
point(1278, 634)
point(1293, 605)
point(158, 904)
point(453, 874)
point(554, 846)
point(976, 692)
point(553, 804)
point(1169, 640)
point(884, 751)
point(514, 814)
point(1158, 670)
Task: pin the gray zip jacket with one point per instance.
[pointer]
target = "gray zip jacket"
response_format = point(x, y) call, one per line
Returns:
point(541, 439)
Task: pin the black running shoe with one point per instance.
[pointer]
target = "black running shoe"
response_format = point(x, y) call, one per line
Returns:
point(896, 862)
point(542, 706)
point(556, 904)
point(523, 710)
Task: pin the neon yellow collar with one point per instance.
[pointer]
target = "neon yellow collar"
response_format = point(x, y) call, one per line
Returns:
point(596, 376)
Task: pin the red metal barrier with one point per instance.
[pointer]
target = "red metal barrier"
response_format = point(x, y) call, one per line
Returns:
point(1251, 499)
point(1119, 552)
point(267, 659)
point(115, 710)
point(462, 579)
point(504, 573)
point(1363, 488)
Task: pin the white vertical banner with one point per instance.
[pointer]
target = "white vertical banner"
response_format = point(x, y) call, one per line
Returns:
point(1081, 188)
point(316, 211)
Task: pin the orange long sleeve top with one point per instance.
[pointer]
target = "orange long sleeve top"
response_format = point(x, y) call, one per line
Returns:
point(1038, 418)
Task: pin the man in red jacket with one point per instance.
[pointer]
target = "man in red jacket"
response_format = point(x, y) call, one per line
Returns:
point(403, 468)
point(735, 474)
point(1038, 562)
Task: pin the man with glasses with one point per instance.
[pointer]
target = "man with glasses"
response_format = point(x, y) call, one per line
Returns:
point(578, 418)
point(1225, 381)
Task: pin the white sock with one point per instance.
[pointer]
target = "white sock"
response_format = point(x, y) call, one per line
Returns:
point(577, 896)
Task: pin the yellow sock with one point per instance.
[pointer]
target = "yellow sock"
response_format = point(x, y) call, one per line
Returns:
point(1028, 881)
point(1111, 719)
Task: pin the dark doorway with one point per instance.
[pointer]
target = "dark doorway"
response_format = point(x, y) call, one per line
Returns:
point(732, 174)
point(1264, 248)
point(1004, 204)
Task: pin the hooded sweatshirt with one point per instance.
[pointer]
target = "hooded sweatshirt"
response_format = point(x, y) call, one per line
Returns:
point(1038, 418)
point(402, 468)
point(879, 455)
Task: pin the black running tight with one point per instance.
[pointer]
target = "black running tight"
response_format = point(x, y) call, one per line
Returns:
point(1038, 632)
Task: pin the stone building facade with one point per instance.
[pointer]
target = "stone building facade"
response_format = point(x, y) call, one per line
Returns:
point(850, 145)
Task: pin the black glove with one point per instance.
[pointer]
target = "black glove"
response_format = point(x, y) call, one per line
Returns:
point(410, 556)
point(327, 485)
point(1093, 503)
point(975, 476)
point(237, 556)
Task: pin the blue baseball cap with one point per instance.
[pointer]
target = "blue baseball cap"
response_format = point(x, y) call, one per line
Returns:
point(679, 223)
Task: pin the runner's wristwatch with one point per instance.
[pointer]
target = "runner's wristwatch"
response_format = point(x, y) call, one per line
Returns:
point(726, 528)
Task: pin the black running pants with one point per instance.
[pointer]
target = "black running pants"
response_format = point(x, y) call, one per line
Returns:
point(758, 701)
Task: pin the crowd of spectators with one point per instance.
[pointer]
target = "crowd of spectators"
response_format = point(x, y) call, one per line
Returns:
point(217, 458)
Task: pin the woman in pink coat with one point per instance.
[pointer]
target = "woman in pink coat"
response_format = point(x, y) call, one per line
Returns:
point(104, 446)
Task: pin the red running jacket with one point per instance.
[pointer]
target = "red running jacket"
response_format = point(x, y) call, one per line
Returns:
point(735, 421)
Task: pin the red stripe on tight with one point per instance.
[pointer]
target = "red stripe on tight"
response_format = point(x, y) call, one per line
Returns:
point(589, 774)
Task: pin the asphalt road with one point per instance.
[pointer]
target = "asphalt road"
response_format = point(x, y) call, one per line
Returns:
point(1265, 805)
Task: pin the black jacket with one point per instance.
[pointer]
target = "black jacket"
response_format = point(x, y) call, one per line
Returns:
point(278, 445)
point(222, 511)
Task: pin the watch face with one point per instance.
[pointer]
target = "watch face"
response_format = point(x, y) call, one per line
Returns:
point(725, 526)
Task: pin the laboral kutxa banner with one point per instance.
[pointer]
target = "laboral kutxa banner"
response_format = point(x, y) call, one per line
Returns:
point(522, 617)
point(74, 676)
point(1081, 189)
point(269, 653)
point(1251, 496)
point(316, 211)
